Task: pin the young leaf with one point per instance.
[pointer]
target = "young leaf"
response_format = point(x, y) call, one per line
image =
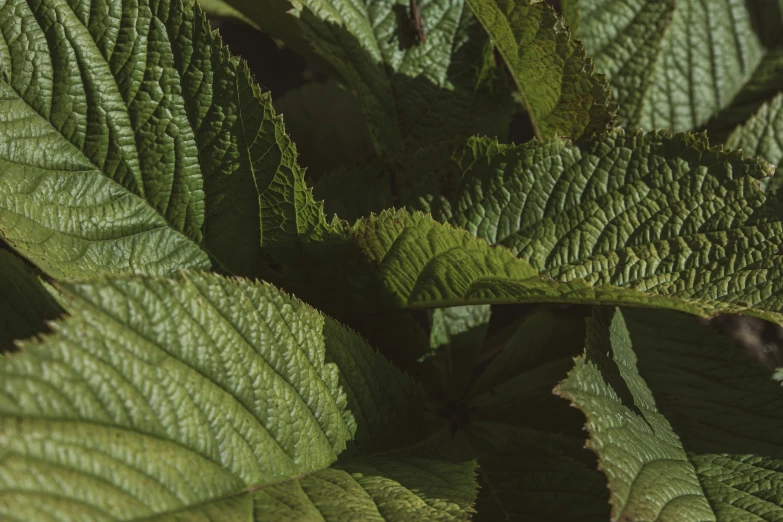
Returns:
point(138, 141)
point(680, 65)
point(206, 395)
point(25, 305)
point(561, 93)
point(411, 93)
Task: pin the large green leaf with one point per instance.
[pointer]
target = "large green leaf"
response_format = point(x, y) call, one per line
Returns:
point(560, 91)
point(412, 93)
point(684, 64)
point(209, 396)
point(716, 454)
point(642, 219)
point(134, 141)
point(25, 305)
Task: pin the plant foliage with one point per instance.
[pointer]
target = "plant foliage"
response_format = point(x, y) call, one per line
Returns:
point(441, 319)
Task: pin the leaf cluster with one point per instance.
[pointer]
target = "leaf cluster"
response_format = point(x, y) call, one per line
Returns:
point(430, 322)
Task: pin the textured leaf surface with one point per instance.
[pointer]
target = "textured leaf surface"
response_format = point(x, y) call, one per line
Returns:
point(762, 136)
point(138, 142)
point(721, 405)
point(663, 216)
point(650, 476)
point(561, 93)
point(25, 305)
point(680, 65)
point(213, 395)
point(412, 92)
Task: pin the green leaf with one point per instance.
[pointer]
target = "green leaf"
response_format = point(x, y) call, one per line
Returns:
point(721, 407)
point(138, 142)
point(238, 398)
point(686, 64)
point(561, 93)
point(327, 125)
point(639, 219)
point(624, 39)
point(762, 136)
point(650, 476)
point(412, 93)
point(25, 305)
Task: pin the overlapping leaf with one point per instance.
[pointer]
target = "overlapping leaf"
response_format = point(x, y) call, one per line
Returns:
point(683, 65)
point(560, 90)
point(412, 92)
point(209, 396)
point(644, 219)
point(711, 457)
point(134, 142)
point(762, 136)
point(650, 476)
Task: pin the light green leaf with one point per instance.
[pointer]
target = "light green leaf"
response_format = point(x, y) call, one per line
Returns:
point(25, 305)
point(163, 397)
point(682, 65)
point(650, 476)
point(139, 142)
point(762, 136)
point(412, 93)
point(561, 93)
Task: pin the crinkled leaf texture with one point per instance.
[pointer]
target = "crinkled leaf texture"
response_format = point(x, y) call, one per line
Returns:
point(762, 136)
point(212, 398)
point(560, 90)
point(685, 64)
point(676, 434)
point(638, 219)
point(134, 142)
point(412, 92)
